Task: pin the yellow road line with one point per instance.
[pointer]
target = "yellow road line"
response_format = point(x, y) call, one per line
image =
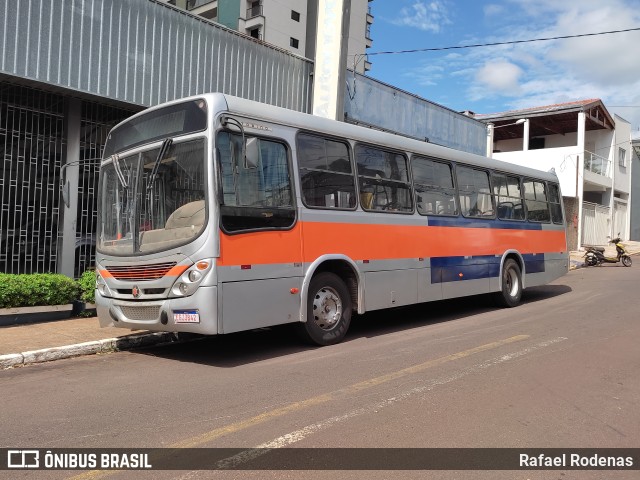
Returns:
point(324, 398)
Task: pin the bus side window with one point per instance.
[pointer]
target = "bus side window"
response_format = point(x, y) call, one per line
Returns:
point(326, 175)
point(433, 184)
point(508, 197)
point(554, 203)
point(383, 178)
point(475, 194)
point(535, 197)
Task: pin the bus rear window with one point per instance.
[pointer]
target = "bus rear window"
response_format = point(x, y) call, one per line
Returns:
point(179, 119)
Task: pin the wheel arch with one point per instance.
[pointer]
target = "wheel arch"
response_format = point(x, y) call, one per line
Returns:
point(517, 256)
point(345, 268)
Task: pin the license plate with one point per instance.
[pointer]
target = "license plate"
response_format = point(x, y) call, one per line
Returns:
point(186, 316)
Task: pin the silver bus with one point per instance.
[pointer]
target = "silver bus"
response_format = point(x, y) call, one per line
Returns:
point(218, 214)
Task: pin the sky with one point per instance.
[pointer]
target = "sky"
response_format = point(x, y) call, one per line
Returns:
point(510, 77)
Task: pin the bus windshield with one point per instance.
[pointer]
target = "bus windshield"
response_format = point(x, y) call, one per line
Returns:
point(153, 200)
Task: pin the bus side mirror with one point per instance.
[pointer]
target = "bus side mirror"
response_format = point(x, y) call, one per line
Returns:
point(251, 153)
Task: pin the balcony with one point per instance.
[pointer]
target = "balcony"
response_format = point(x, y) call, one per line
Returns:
point(254, 11)
point(597, 164)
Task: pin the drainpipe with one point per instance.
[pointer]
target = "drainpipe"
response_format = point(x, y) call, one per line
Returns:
point(580, 172)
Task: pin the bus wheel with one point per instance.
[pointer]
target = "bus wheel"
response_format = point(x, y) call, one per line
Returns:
point(511, 284)
point(328, 310)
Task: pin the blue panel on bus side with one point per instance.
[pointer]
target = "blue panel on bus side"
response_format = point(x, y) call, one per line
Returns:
point(455, 269)
point(534, 263)
point(435, 221)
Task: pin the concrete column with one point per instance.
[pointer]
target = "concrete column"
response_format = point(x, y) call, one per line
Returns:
point(331, 58)
point(66, 251)
point(525, 136)
point(580, 171)
point(490, 140)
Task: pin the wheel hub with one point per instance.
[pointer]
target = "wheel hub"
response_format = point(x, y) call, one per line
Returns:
point(327, 308)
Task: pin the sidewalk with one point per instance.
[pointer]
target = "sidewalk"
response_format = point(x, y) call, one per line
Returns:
point(46, 341)
point(42, 342)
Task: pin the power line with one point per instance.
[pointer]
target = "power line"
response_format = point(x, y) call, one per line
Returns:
point(512, 42)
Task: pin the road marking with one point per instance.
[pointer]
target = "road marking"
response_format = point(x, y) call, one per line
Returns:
point(357, 387)
point(320, 399)
point(298, 435)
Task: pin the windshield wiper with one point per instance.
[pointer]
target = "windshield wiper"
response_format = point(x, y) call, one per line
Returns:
point(154, 172)
point(116, 165)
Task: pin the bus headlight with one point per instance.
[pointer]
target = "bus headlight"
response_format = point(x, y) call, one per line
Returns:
point(101, 286)
point(194, 275)
point(190, 280)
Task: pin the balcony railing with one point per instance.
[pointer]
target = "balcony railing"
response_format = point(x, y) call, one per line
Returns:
point(254, 11)
point(597, 164)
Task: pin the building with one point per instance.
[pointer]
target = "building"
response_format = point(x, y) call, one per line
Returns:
point(287, 24)
point(590, 151)
point(70, 71)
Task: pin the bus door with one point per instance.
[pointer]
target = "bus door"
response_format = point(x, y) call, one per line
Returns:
point(260, 264)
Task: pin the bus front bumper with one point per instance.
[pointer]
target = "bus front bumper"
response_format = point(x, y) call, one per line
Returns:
point(197, 313)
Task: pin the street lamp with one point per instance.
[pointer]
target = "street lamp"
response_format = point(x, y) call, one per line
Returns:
point(491, 127)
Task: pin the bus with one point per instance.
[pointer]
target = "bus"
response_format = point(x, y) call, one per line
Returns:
point(219, 214)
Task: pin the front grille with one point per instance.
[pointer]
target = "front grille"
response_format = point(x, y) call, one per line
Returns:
point(146, 291)
point(140, 273)
point(141, 313)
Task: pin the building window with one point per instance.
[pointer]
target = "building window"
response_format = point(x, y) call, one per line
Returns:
point(622, 157)
point(295, 16)
point(255, 33)
point(293, 42)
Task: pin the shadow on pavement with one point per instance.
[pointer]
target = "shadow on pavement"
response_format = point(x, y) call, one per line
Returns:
point(232, 350)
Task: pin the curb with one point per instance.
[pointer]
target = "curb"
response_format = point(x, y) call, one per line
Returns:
point(87, 348)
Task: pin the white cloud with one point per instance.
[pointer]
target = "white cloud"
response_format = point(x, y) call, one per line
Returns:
point(500, 76)
point(429, 16)
point(542, 73)
point(493, 10)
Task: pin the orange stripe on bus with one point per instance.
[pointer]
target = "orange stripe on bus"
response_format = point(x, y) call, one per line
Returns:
point(176, 271)
point(378, 242)
point(105, 273)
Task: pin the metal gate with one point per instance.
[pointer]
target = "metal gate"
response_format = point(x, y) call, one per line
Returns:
point(595, 224)
point(620, 219)
point(31, 150)
point(32, 153)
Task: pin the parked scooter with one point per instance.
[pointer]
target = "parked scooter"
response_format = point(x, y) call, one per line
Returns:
point(595, 255)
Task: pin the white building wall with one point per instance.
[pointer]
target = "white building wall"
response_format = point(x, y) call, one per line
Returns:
point(622, 140)
point(563, 160)
point(280, 28)
point(357, 35)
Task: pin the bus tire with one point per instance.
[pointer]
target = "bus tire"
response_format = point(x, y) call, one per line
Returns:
point(328, 310)
point(511, 292)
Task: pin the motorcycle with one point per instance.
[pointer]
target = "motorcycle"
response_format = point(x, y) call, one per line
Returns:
point(595, 255)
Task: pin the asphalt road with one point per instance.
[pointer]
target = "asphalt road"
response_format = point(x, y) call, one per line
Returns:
point(561, 370)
